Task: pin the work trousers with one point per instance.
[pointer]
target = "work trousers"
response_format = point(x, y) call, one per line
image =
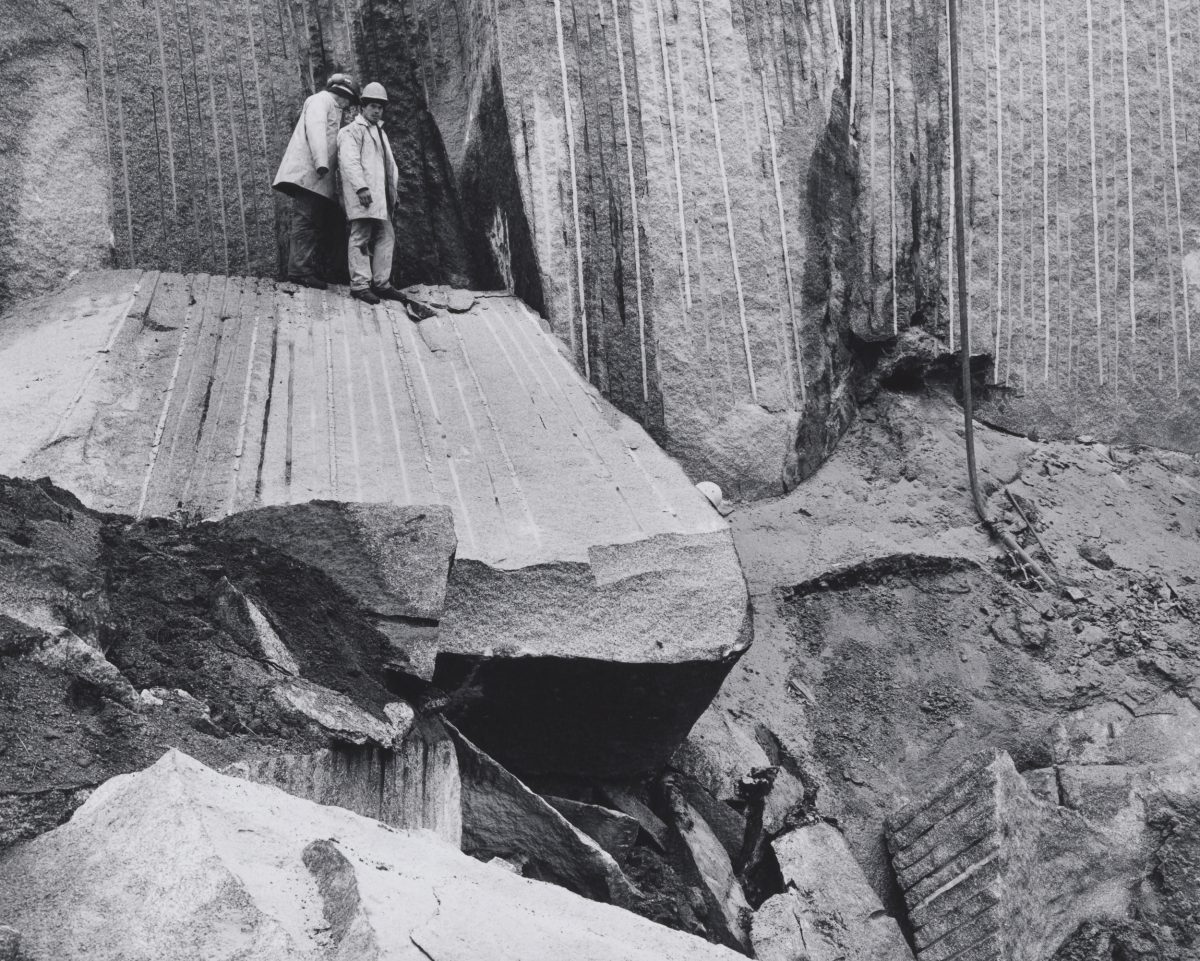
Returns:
point(371, 244)
point(311, 216)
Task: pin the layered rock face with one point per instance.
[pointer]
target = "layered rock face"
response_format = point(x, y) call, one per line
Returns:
point(587, 569)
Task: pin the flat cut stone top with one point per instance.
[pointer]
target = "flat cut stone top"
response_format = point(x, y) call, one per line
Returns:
point(155, 393)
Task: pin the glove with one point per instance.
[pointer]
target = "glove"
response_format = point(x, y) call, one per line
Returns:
point(364, 197)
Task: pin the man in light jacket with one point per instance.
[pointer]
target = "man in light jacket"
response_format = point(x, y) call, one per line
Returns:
point(305, 174)
point(368, 173)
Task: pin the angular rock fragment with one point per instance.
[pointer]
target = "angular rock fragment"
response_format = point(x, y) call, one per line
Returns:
point(613, 831)
point(503, 818)
point(776, 933)
point(718, 753)
point(339, 715)
point(828, 911)
point(180, 862)
point(990, 872)
point(243, 619)
point(83, 662)
point(728, 909)
point(628, 803)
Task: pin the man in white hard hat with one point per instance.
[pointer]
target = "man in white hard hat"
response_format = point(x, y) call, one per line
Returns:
point(305, 174)
point(368, 173)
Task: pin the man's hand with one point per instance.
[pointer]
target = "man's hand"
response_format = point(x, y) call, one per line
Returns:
point(322, 171)
point(364, 197)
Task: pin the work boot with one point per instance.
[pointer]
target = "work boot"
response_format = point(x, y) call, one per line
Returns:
point(387, 293)
point(365, 295)
point(310, 281)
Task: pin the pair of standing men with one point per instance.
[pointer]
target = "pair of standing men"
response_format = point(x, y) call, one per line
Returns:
point(365, 181)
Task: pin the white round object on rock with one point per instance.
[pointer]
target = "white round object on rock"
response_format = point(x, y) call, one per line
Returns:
point(716, 497)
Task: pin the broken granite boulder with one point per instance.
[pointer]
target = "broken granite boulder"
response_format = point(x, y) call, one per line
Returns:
point(587, 567)
point(828, 910)
point(727, 909)
point(392, 559)
point(613, 831)
point(178, 861)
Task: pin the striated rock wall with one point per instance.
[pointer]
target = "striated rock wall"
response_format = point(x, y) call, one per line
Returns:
point(169, 120)
point(54, 191)
point(719, 200)
point(714, 202)
point(674, 183)
point(1083, 179)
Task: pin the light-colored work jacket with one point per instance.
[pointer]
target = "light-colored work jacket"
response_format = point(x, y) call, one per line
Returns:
point(313, 147)
point(365, 160)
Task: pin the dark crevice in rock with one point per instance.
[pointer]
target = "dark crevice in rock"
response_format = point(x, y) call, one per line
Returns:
point(497, 229)
point(547, 715)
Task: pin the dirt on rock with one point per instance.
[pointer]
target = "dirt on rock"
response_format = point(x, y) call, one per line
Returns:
point(893, 639)
point(113, 648)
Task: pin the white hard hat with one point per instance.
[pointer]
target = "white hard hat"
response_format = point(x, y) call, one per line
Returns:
point(373, 92)
point(716, 497)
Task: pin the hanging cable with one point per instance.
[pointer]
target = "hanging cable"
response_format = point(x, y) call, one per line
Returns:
point(960, 255)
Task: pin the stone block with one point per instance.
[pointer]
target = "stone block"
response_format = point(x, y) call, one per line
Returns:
point(613, 831)
point(501, 817)
point(828, 903)
point(993, 872)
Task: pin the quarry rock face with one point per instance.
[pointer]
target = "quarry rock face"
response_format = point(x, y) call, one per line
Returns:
point(228, 398)
point(182, 862)
point(171, 121)
point(714, 204)
point(55, 165)
point(670, 185)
